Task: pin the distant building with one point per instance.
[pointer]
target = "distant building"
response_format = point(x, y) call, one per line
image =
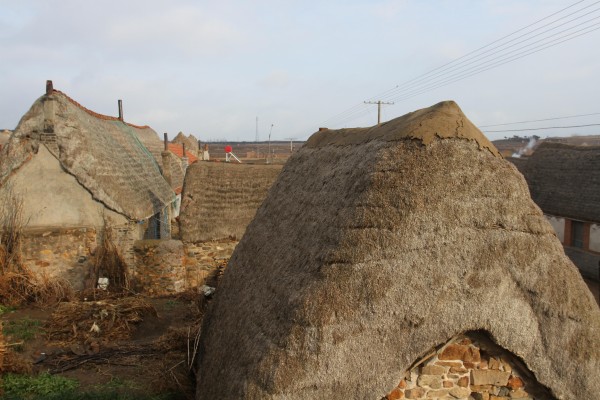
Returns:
point(564, 181)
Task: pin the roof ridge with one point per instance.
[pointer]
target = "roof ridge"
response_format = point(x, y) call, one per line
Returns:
point(97, 115)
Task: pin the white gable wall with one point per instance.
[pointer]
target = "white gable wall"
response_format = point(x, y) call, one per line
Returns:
point(558, 224)
point(53, 198)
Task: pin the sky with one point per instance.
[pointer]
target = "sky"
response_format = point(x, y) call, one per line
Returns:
point(211, 68)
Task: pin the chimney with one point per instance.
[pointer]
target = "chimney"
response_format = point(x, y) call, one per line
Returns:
point(205, 155)
point(49, 87)
point(121, 110)
point(184, 159)
point(166, 166)
point(323, 129)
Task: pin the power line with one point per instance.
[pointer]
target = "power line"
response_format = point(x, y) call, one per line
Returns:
point(454, 71)
point(379, 103)
point(546, 127)
point(538, 120)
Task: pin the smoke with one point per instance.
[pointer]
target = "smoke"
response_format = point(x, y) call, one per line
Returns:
point(525, 148)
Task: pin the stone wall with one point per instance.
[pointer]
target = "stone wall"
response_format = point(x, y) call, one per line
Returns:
point(470, 367)
point(64, 253)
point(165, 267)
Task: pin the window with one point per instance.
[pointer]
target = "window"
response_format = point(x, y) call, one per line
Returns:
point(577, 234)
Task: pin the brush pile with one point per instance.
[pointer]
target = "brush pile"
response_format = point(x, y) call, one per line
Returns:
point(93, 320)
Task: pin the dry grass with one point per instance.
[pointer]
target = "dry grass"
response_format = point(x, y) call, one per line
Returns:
point(109, 262)
point(18, 284)
point(76, 322)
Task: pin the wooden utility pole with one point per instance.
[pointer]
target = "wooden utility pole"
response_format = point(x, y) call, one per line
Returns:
point(379, 103)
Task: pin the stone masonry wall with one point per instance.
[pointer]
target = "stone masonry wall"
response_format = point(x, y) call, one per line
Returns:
point(165, 267)
point(61, 253)
point(469, 369)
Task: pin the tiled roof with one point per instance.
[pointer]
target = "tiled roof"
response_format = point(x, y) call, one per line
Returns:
point(177, 149)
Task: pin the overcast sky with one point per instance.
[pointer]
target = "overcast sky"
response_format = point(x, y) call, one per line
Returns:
point(211, 67)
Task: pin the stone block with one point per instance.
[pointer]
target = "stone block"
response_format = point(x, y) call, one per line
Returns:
point(432, 381)
point(489, 377)
point(396, 394)
point(432, 370)
point(514, 382)
point(463, 382)
point(460, 392)
point(436, 394)
point(519, 394)
point(449, 363)
point(414, 393)
point(448, 384)
point(480, 396)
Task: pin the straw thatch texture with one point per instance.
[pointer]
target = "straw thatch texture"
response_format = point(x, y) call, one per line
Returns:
point(220, 199)
point(373, 246)
point(175, 172)
point(104, 155)
point(190, 141)
point(564, 180)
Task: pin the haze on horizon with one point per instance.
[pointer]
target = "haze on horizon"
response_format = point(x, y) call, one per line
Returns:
point(210, 68)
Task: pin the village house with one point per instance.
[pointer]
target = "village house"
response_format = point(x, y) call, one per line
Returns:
point(79, 175)
point(564, 182)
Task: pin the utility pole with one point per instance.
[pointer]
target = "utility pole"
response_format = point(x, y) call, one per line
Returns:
point(256, 137)
point(269, 151)
point(291, 143)
point(379, 103)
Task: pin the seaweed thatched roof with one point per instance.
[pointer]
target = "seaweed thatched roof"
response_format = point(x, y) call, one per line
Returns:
point(564, 180)
point(220, 199)
point(103, 153)
point(375, 245)
point(190, 141)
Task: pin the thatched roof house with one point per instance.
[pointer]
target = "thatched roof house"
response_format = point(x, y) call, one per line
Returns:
point(190, 142)
point(75, 170)
point(380, 251)
point(102, 153)
point(564, 180)
point(220, 199)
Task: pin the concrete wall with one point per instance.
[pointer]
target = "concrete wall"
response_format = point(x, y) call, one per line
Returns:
point(558, 224)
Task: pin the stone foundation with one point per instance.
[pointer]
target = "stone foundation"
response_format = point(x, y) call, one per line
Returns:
point(470, 367)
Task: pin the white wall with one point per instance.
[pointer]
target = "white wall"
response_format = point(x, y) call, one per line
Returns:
point(595, 237)
point(53, 198)
point(558, 224)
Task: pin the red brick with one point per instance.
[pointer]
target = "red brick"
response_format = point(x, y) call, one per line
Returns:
point(514, 382)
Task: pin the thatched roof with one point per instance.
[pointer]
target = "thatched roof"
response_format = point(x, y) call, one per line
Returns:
point(104, 154)
point(156, 147)
point(220, 199)
point(564, 180)
point(375, 245)
point(190, 141)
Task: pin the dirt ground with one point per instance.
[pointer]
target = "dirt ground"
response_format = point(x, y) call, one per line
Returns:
point(138, 345)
